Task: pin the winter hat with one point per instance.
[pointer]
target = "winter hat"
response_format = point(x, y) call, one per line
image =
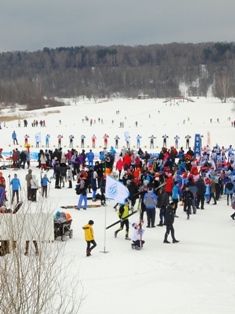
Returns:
point(91, 222)
point(134, 225)
point(58, 213)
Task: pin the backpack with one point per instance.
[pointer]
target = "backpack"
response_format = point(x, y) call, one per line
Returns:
point(77, 189)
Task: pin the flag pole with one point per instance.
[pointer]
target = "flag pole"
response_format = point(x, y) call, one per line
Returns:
point(105, 211)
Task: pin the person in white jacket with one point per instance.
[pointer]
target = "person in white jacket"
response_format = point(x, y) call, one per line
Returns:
point(34, 187)
point(137, 242)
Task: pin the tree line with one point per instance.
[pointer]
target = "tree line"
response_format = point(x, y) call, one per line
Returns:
point(36, 78)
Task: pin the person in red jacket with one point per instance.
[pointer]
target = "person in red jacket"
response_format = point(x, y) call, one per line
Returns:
point(127, 160)
point(169, 184)
point(119, 167)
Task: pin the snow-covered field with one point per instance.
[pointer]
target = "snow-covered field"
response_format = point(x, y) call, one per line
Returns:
point(194, 276)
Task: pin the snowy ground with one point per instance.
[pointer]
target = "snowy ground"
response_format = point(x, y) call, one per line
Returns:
point(194, 276)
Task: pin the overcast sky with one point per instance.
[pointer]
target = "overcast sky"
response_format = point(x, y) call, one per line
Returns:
point(31, 25)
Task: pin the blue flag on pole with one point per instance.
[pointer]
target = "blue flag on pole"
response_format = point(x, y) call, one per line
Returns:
point(115, 190)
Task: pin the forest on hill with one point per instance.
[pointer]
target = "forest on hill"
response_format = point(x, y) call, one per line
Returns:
point(159, 71)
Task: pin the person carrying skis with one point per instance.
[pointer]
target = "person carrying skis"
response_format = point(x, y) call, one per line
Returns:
point(123, 212)
point(89, 237)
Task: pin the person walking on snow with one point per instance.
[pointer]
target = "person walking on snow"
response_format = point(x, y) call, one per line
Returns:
point(89, 237)
point(169, 221)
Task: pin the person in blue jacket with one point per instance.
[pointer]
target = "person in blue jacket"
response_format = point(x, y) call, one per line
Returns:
point(90, 158)
point(16, 186)
point(150, 201)
point(14, 138)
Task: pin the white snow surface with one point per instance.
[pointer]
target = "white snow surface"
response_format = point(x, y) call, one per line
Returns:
point(195, 275)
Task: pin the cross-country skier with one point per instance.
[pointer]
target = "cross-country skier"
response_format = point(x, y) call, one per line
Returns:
point(152, 141)
point(123, 212)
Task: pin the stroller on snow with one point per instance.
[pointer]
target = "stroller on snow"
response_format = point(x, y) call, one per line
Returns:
point(62, 226)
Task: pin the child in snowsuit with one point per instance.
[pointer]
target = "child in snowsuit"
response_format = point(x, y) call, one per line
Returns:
point(89, 237)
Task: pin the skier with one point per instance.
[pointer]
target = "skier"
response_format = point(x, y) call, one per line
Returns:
point(169, 221)
point(106, 140)
point(71, 137)
point(38, 139)
point(176, 138)
point(127, 139)
point(89, 237)
point(82, 140)
point(164, 140)
point(26, 137)
point(138, 137)
point(59, 140)
point(47, 140)
point(116, 140)
point(123, 212)
point(152, 141)
point(14, 138)
point(93, 141)
point(187, 140)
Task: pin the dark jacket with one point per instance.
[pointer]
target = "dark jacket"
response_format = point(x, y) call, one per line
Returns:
point(133, 190)
point(169, 215)
point(201, 186)
point(187, 197)
point(163, 199)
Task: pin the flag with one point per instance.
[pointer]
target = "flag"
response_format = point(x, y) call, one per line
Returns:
point(115, 190)
point(38, 137)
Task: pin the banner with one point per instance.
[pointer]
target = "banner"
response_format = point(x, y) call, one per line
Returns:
point(115, 190)
point(197, 145)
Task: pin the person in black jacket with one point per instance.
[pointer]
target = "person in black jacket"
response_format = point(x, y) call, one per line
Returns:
point(169, 221)
point(201, 190)
point(134, 192)
point(187, 199)
point(163, 202)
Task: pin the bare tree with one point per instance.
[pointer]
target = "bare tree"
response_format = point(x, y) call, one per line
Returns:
point(36, 284)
